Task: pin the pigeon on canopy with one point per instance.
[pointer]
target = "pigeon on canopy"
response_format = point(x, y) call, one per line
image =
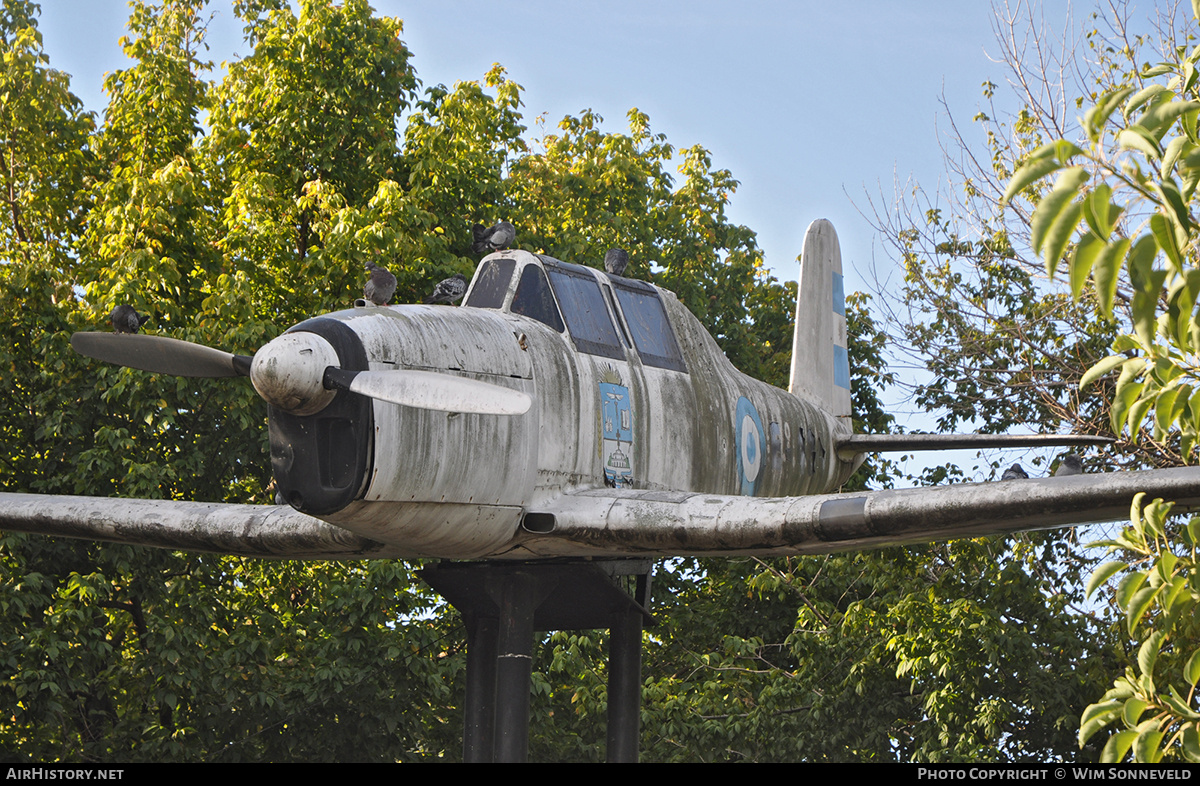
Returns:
point(499, 236)
point(1069, 465)
point(1015, 472)
point(449, 290)
point(615, 261)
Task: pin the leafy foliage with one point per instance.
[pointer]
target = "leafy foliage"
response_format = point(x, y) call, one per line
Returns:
point(1159, 601)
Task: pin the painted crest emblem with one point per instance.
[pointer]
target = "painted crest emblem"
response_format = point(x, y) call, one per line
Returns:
point(616, 427)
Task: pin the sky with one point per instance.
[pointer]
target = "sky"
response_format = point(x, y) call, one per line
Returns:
point(813, 106)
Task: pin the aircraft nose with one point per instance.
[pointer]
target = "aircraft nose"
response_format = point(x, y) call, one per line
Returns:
point(289, 372)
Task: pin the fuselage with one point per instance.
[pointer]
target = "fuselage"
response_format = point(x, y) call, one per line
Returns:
point(628, 390)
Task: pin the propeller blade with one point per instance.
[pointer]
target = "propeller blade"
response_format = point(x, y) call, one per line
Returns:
point(161, 355)
point(431, 390)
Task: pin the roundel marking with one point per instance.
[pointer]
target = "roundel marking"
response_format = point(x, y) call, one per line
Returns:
point(750, 443)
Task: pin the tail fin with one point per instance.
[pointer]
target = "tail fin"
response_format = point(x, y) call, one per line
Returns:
point(820, 365)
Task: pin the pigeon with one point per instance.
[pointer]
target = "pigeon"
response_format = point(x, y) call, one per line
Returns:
point(1015, 472)
point(498, 236)
point(380, 286)
point(125, 320)
point(1069, 465)
point(615, 260)
point(449, 290)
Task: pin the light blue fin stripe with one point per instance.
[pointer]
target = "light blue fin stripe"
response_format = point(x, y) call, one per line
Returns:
point(839, 296)
point(841, 366)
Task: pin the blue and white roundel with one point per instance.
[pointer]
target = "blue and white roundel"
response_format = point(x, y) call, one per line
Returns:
point(750, 442)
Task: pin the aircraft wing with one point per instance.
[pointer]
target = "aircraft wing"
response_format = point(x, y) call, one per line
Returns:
point(616, 522)
point(632, 523)
point(274, 531)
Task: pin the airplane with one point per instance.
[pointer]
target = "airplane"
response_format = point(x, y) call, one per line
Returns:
point(562, 412)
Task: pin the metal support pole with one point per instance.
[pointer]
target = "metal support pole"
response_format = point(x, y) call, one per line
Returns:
point(514, 666)
point(624, 686)
point(479, 721)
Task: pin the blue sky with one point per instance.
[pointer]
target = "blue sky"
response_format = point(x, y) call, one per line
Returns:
point(809, 104)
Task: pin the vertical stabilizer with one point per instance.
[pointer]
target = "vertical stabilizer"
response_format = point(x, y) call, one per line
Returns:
point(820, 365)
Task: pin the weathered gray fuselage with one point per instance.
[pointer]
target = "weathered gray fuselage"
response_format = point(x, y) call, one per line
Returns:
point(451, 483)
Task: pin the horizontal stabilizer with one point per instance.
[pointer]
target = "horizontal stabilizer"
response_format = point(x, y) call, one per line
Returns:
point(853, 445)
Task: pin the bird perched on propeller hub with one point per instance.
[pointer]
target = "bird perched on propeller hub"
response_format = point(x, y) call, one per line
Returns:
point(499, 236)
point(380, 286)
point(125, 320)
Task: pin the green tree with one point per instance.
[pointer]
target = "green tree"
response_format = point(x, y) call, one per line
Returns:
point(1120, 214)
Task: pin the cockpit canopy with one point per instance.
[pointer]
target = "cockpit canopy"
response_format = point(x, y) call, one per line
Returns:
point(603, 315)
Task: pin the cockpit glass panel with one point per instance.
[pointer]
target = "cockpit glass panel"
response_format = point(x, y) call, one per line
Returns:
point(491, 283)
point(534, 300)
point(586, 315)
point(652, 333)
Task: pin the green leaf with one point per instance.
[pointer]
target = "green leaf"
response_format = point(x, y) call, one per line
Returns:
point(1141, 97)
point(1188, 123)
point(1097, 116)
point(1117, 746)
point(1053, 204)
point(1086, 250)
point(1127, 395)
point(1099, 212)
point(1145, 747)
point(1139, 604)
point(1160, 116)
point(1132, 711)
point(1041, 162)
point(1171, 154)
point(1148, 652)
point(1178, 705)
point(1128, 586)
point(1176, 210)
point(1059, 236)
point(1138, 138)
point(1138, 413)
point(1191, 670)
point(1102, 574)
point(1106, 270)
point(1191, 735)
point(1096, 717)
point(1103, 367)
point(1164, 407)
point(1164, 234)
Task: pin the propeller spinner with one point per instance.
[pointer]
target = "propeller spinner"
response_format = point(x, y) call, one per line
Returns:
point(298, 372)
